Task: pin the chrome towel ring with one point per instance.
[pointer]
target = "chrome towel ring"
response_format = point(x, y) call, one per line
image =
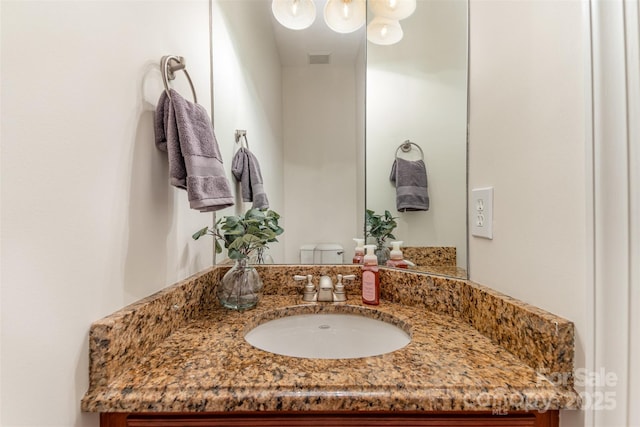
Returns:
point(169, 64)
point(407, 146)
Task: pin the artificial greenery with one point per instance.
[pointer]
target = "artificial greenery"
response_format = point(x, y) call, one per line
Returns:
point(242, 235)
point(379, 226)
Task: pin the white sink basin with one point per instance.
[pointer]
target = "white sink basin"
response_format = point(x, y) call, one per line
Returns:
point(327, 336)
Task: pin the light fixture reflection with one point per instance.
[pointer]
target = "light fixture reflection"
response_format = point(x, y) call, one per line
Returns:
point(345, 16)
point(393, 9)
point(294, 14)
point(384, 31)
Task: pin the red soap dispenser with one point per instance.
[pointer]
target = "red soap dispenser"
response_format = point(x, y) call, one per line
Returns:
point(370, 277)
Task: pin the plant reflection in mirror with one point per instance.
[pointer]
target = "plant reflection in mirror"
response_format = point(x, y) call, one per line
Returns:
point(380, 227)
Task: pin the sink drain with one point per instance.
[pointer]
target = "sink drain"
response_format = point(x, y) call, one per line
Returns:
point(324, 327)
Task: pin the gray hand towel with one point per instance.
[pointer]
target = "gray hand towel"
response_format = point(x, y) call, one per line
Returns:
point(246, 170)
point(184, 131)
point(410, 180)
point(166, 133)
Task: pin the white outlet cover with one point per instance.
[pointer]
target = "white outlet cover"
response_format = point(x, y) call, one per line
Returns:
point(481, 212)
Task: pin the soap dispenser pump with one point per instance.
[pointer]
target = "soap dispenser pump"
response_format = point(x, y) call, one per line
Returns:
point(397, 258)
point(358, 258)
point(370, 277)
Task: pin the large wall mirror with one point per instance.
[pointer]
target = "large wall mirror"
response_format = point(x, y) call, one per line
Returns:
point(325, 114)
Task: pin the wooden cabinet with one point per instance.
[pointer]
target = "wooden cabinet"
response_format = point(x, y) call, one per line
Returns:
point(331, 419)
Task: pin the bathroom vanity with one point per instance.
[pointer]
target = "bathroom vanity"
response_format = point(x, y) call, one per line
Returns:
point(476, 357)
point(377, 418)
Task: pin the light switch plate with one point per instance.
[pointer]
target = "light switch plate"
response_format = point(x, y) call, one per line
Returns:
point(481, 212)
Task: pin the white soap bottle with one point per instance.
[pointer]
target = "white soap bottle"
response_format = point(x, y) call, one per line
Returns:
point(358, 258)
point(396, 256)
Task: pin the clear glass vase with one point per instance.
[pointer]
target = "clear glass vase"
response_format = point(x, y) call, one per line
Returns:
point(260, 256)
point(382, 253)
point(240, 287)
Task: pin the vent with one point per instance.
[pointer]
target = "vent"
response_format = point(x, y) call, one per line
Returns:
point(319, 58)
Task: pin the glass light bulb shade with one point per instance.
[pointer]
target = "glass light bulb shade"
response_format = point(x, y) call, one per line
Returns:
point(294, 14)
point(345, 16)
point(393, 9)
point(384, 31)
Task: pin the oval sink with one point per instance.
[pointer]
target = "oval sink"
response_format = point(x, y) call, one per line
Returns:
point(327, 336)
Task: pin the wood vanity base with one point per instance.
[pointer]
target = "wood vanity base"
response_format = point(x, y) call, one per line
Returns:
point(332, 419)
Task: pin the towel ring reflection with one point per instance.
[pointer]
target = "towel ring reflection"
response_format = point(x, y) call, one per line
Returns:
point(168, 69)
point(407, 146)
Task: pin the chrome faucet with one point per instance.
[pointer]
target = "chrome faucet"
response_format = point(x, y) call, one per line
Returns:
point(326, 291)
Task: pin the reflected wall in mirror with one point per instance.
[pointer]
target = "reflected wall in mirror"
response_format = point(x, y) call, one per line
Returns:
point(417, 91)
point(305, 122)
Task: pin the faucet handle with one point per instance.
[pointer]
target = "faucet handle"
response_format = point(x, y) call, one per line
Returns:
point(309, 286)
point(309, 293)
point(339, 284)
point(339, 294)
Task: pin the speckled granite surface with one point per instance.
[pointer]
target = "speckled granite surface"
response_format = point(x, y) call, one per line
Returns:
point(119, 340)
point(439, 260)
point(472, 349)
point(441, 270)
point(430, 255)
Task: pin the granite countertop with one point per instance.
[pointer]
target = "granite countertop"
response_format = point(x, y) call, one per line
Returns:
point(439, 260)
point(440, 270)
point(177, 351)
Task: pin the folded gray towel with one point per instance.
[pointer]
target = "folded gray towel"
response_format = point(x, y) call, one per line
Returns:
point(184, 131)
point(410, 180)
point(166, 132)
point(246, 170)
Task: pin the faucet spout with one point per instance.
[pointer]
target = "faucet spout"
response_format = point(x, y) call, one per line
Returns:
point(325, 289)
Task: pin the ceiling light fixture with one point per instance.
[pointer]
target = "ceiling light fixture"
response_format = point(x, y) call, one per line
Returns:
point(393, 9)
point(345, 16)
point(384, 31)
point(294, 14)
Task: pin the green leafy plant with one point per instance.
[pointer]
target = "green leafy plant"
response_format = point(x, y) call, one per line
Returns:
point(379, 226)
point(242, 235)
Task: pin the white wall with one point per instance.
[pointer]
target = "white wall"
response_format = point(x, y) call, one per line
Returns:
point(417, 90)
point(528, 140)
point(616, 184)
point(319, 110)
point(89, 221)
point(248, 96)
